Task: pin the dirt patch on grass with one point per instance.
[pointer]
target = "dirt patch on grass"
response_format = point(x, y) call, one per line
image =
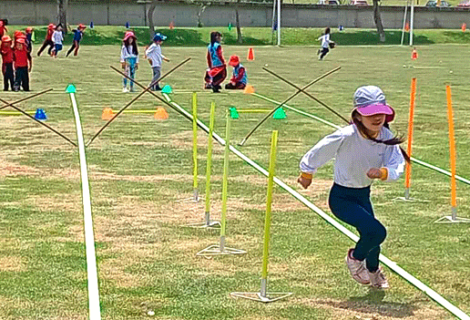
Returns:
point(12, 263)
point(372, 307)
point(57, 202)
point(9, 169)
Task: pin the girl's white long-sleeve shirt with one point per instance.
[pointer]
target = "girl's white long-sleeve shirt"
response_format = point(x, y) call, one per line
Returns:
point(154, 53)
point(128, 52)
point(57, 37)
point(355, 155)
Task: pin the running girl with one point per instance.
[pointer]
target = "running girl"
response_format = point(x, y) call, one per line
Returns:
point(365, 150)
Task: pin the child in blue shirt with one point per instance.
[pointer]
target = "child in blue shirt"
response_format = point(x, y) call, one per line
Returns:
point(77, 37)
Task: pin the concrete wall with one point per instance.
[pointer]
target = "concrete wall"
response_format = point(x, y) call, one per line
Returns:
point(108, 12)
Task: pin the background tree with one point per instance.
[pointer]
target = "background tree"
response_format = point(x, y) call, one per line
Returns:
point(237, 20)
point(150, 12)
point(62, 13)
point(378, 20)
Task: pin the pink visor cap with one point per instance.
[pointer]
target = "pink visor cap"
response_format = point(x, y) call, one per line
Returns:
point(370, 100)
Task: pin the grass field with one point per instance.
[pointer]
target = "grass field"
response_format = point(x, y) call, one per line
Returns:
point(139, 168)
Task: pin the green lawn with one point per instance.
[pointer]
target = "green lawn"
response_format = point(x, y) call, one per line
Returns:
point(139, 168)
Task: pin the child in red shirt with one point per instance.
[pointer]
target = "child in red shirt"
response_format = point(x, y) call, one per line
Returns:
point(23, 65)
point(7, 63)
point(48, 40)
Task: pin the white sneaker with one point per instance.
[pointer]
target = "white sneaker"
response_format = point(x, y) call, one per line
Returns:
point(357, 268)
point(124, 89)
point(378, 280)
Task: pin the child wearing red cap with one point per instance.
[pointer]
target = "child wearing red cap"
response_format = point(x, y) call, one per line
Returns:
point(29, 38)
point(3, 29)
point(217, 71)
point(18, 35)
point(77, 37)
point(48, 40)
point(239, 78)
point(129, 59)
point(23, 65)
point(57, 38)
point(364, 151)
point(7, 63)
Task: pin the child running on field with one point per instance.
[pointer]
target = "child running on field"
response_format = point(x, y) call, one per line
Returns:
point(155, 57)
point(129, 59)
point(239, 78)
point(57, 38)
point(23, 65)
point(48, 40)
point(325, 44)
point(77, 37)
point(365, 150)
point(7, 63)
point(217, 71)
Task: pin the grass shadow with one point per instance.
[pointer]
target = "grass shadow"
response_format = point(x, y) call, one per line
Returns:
point(372, 38)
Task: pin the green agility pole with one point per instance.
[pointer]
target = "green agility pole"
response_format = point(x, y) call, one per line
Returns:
point(195, 191)
point(263, 295)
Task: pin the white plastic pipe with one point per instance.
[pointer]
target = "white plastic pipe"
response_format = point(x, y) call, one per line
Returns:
point(278, 22)
point(93, 292)
point(412, 18)
point(392, 265)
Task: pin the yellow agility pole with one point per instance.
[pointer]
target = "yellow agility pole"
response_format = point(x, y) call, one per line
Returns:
point(263, 295)
point(15, 113)
point(208, 223)
point(195, 191)
point(453, 163)
point(210, 143)
point(222, 249)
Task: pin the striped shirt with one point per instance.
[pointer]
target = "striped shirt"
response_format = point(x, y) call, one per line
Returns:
point(355, 155)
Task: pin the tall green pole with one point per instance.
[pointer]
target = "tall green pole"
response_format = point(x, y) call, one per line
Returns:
point(196, 196)
point(267, 221)
point(209, 165)
point(225, 182)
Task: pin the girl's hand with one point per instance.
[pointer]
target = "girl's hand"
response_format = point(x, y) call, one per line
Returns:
point(304, 182)
point(123, 65)
point(374, 173)
point(167, 60)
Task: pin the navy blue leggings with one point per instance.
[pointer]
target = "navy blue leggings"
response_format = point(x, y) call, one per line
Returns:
point(353, 206)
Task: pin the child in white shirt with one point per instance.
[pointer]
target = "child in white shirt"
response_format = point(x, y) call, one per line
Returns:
point(57, 38)
point(155, 57)
point(129, 59)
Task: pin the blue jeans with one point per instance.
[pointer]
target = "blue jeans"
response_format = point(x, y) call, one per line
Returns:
point(130, 71)
point(353, 206)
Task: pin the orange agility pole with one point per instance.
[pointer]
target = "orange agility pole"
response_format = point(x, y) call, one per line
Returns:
point(410, 138)
point(453, 194)
point(452, 152)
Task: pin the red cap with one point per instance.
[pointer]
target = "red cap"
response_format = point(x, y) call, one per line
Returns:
point(21, 40)
point(6, 39)
point(51, 26)
point(81, 26)
point(129, 34)
point(234, 61)
point(29, 29)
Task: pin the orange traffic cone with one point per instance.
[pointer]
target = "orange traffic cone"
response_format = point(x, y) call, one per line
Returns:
point(251, 55)
point(407, 27)
point(107, 114)
point(249, 89)
point(172, 25)
point(161, 114)
point(414, 54)
point(464, 27)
